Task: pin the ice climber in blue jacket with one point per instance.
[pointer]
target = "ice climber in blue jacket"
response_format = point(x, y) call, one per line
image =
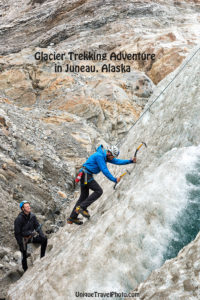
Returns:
point(94, 164)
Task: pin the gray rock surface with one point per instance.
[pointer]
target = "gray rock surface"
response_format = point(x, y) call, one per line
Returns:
point(40, 152)
point(75, 25)
point(99, 99)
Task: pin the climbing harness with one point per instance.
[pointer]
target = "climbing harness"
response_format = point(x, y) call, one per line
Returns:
point(85, 171)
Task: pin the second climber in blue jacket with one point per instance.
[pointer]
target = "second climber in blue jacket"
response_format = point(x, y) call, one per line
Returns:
point(95, 163)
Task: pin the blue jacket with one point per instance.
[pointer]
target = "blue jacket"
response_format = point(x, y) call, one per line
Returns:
point(97, 163)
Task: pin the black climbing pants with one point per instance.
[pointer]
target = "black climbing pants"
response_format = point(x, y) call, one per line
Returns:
point(85, 199)
point(35, 240)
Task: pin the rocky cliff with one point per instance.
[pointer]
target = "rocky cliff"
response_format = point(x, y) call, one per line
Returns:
point(110, 102)
point(40, 153)
point(167, 29)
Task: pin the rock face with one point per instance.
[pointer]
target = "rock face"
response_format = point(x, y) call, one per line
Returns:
point(130, 229)
point(40, 152)
point(110, 26)
point(110, 103)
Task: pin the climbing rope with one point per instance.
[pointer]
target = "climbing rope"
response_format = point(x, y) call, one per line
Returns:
point(120, 142)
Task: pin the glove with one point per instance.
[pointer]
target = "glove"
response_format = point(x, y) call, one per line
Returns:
point(134, 159)
point(34, 233)
point(118, 179)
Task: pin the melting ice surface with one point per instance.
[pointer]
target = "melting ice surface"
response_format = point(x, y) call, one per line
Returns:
point(147, 213)
point(187, 224)
point(128, 235)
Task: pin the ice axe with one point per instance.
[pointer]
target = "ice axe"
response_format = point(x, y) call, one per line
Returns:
point(127, 172)
point(136, 151)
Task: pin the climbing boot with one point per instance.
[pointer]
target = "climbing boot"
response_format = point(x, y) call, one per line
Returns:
point(76, 221)
point(83, 212)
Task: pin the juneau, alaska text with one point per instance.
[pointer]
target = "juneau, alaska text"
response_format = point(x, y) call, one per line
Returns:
point(106, 68)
